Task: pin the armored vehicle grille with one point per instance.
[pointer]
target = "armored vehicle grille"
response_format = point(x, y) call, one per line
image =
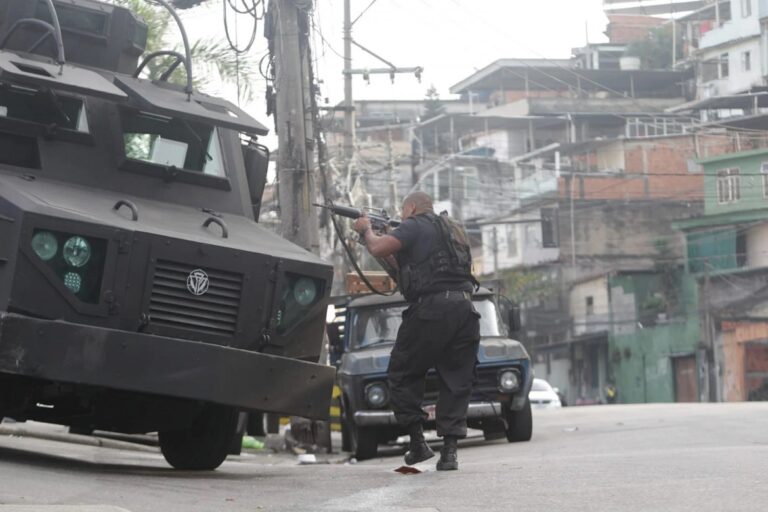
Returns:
point(173, 305)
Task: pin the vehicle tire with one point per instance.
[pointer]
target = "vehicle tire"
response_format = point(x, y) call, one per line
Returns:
point(519, 424)
point(363, 442)
point(272, 422)
point(346, 435)
point(236, 446)
point(205, 444)
point(493, 429)
point(257, 424)
point(366, 443)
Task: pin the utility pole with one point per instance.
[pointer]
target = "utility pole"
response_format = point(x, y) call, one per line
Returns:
point(294, 131)
point(349, 72)
point(349, 105)
point(393, 200)
point(496, 253)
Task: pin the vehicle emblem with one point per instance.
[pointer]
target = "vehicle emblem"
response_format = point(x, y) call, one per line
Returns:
point(197, 282)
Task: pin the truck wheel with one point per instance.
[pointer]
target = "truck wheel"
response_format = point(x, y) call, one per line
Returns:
point(346, 436)
point(519, 423)
point(205, 444)
point(493, 429)
point(236, 446)
point(366, 443)
point(257, 424)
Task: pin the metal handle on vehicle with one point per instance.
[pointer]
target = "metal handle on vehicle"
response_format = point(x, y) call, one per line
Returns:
point(130, 205)
point(218, 222)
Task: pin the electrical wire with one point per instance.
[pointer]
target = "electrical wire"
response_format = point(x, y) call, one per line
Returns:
point(251, 9)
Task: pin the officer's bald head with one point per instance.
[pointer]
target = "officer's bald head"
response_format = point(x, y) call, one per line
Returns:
point(417, 203)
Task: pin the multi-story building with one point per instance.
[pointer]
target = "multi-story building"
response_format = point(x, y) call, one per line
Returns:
point(727, 252)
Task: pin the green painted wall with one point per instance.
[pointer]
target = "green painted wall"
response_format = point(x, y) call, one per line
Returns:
point(641, 361)
point(751, 181)
point(717, 250)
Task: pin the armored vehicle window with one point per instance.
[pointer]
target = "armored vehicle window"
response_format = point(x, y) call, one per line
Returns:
point(76, 19)
point(172, 143)
point(44, 107)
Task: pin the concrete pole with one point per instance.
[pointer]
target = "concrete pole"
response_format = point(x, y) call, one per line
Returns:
point(298, 221)
point(391, 171)
point(495, 253)
point(349, 104)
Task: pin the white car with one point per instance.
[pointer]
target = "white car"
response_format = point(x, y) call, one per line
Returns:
point(542, 396)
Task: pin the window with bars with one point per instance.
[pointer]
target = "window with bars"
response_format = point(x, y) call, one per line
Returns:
point(470, 182)
point(746, 8)
point(728, 186)
point(746, 61)
point(512, 241)
point(724, 68)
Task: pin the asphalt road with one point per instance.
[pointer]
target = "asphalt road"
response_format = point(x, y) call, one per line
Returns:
point(696, 457)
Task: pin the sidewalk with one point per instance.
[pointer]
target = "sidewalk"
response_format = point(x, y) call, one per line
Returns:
point(61, 434)
point(274, 444)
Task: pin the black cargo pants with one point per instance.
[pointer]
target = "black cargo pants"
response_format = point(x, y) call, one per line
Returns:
point(442, 333)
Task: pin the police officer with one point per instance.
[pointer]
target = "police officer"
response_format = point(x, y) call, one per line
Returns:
point(440, 328)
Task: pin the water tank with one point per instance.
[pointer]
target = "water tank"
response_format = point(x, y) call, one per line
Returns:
point(628, 63)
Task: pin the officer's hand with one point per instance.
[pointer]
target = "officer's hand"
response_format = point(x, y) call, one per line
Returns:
point(362, 224)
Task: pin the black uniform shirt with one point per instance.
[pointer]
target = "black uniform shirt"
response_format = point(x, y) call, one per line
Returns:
point(418, 235)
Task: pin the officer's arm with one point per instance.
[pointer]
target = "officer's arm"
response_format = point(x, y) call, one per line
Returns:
point(381, 246)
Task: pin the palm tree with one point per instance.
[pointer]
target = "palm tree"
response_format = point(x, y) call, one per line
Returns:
point(209, 56)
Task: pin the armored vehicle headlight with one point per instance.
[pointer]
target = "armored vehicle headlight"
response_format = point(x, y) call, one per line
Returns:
point(376, 394)
point(305, 291)
point(73, 282)
point(77, 260)
point(45, 245)
point(77, 251)
point(509, 380)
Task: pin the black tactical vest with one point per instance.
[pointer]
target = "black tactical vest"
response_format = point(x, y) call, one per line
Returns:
point(447, 267)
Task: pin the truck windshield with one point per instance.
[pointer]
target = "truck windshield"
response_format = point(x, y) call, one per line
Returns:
point(379, 325)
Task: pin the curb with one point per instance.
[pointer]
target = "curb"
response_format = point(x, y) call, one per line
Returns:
point(15, 431)
point(60, 508)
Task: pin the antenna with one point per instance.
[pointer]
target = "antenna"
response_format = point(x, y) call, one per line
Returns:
point(50, 30)
point(188, 54)
point(60, 58)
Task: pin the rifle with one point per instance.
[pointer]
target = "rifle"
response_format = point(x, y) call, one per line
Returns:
point(380, 220)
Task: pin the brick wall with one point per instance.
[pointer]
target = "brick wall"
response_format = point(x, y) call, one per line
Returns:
point(659, 168)
point(623, 29)
point(739, 337)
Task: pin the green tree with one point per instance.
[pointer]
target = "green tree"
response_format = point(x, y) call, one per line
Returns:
point(524, 285)
point(655, 51)
point(210, 57)
point(433, 106)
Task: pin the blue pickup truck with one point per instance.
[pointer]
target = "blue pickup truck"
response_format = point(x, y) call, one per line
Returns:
point(361, 337)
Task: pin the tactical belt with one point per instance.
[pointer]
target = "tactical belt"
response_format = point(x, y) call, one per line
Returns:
point(448, 294)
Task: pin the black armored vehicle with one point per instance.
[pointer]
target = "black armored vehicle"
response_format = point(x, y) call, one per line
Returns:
point(361, 338)
point(137, 291)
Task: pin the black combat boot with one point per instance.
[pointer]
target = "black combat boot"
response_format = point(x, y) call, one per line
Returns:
point(449, 459)
point(418, 449)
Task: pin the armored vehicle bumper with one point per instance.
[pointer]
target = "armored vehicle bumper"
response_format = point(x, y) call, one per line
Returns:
point(65, 352)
